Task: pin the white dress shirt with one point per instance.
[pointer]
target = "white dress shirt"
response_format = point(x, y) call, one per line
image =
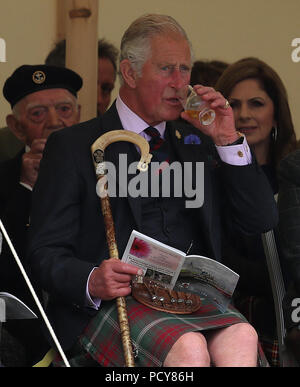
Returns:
point(233, 154)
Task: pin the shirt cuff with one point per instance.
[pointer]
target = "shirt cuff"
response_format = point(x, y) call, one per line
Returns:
point(91, 302)
point(235, 154)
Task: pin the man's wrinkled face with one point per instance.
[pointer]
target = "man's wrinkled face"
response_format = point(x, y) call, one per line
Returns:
point(166, 71)
point(39, 114)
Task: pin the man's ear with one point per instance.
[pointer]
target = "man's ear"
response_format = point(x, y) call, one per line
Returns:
point(16, 127)
point(129, 75)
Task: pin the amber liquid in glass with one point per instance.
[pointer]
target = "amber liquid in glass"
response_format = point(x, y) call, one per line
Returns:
point(206, 117)
point(193, 113)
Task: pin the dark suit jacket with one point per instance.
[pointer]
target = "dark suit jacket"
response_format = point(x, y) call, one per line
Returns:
point(15, 201)
point(9, 144)
point(289, 210)
point(289, 230)
point(67, 230)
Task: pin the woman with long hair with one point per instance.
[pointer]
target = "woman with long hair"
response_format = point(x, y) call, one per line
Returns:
point(259, 101)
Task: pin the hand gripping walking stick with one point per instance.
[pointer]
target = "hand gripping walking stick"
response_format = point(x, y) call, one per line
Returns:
point(97, 149)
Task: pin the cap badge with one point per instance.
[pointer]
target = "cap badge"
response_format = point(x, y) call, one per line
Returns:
point(39, 77)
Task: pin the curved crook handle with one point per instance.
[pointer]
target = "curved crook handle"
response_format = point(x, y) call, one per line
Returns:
point(108, 138)
point(97, 149)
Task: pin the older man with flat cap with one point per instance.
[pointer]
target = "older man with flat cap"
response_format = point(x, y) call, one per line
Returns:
point(43, 100)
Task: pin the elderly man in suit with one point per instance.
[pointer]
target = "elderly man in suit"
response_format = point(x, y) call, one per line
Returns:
point(68, 250)
point(10, 145)
point(43, 100)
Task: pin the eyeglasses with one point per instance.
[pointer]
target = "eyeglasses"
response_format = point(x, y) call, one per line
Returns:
point(40, 113)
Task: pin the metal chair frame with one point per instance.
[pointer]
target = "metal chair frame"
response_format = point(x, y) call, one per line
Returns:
point(286, 358)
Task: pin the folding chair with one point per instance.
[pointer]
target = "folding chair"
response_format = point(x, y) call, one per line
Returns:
point(286, 358)
point(46, 361)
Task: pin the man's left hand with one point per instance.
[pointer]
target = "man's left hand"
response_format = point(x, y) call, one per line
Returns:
point(222, 130)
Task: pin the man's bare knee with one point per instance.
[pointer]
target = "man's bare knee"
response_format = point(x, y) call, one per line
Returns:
point(189, 350)
point(245, 331)
point(237, 333)
point(233, 346)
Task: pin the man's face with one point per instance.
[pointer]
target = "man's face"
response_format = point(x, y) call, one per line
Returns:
point(106, 83)
point(43, 112)
point(167, 70)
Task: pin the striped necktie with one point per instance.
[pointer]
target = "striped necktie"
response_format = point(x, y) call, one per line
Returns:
point(158, 146)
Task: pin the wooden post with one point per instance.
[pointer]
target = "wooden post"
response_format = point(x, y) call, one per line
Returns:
point(82, 50)
point(61, 20)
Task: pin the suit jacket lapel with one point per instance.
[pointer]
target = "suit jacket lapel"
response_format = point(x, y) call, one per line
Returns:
point(181, 138)
point(121, 154)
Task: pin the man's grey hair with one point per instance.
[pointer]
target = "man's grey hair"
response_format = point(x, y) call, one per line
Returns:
point(136, 41)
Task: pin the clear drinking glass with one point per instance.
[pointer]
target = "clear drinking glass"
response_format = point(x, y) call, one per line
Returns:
point(194, 105)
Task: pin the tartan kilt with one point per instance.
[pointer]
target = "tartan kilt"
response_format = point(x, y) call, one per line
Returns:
point(153, 332)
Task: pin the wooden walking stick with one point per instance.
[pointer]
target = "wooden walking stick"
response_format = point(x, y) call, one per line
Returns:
point(97, 149)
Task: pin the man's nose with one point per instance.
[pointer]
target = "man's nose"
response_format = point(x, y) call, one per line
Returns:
point(53, 118)
point(178, 79)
